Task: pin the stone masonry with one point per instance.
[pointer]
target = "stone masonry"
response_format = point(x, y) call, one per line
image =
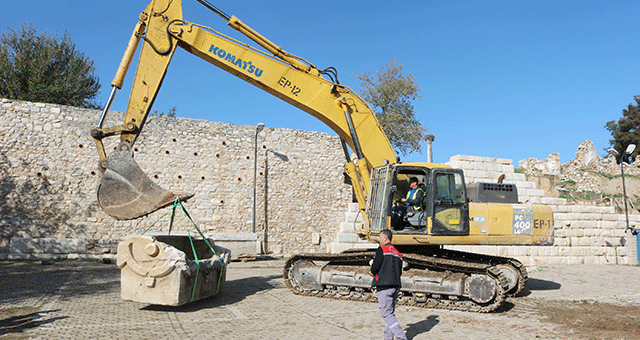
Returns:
point(48, 208)
point(49, 175)
point(583, 234)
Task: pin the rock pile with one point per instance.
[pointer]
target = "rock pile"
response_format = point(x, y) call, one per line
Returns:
point(588, 172)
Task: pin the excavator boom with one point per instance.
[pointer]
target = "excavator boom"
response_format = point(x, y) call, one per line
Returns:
point(125, 192)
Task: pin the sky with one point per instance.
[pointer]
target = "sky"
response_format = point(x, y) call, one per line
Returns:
point(504, 78)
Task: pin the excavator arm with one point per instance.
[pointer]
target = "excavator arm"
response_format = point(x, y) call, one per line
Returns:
point(125, 192)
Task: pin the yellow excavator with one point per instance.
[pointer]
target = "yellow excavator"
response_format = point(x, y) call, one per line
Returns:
point(449, 213)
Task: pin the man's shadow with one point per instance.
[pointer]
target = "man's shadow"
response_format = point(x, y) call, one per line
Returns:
point(414, 329)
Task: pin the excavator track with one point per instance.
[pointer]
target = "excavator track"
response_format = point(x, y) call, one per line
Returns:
point(515, 271)
point(299, 276)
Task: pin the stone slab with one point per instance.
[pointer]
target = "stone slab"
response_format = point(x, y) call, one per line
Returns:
point(21, 246)
point(5, 245)
point(47, 245)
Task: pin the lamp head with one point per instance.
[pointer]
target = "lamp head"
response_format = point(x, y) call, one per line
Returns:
point(630, 149)
point(259, 127)
point(612, 152)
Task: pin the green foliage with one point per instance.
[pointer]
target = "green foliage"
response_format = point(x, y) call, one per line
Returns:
point(567, 182)
point(392, 93)
point(39, 68)
point(171, 113)
point(609, 176)
point(519, 170)
point(626, 131)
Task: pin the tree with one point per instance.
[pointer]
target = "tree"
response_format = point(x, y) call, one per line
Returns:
point(626, 131)
point(171, 113)
point(392, 92)
point(40, 68)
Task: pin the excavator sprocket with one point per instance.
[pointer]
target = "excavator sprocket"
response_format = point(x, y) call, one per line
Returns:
point(125, 192)
point(430, 282)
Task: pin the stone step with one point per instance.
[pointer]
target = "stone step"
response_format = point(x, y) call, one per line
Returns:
point(352, 217)
point(548, 200)
point(348, 227)
point(532, 192)
point(340, 247)
point(353, 207)
point(349, 238)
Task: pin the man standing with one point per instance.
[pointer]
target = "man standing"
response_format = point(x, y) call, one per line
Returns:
point(386, 271)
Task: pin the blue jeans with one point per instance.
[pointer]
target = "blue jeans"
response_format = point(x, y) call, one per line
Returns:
point(387, 304)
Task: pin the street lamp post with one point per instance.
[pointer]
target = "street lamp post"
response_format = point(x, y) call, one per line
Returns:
point(614, 153)
point(259, 128)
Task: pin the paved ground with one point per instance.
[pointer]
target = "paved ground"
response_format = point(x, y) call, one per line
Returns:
point(79, 300)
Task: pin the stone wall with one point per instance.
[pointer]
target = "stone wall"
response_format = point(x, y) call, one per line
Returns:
point(48, 176)
point(583, 234)
point(486, 169)
point(48, 169)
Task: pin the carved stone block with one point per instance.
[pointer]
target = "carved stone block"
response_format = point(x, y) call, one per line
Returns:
point(163, 270)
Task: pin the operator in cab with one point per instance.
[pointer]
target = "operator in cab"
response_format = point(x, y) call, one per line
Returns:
point(414, 196)
point(408, 205)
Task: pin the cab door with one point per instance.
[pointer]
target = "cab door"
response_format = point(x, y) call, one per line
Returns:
point(450, 209)
point(378, 198)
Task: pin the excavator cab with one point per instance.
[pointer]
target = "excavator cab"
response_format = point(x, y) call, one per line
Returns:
point(444, 209)
point(448, 203)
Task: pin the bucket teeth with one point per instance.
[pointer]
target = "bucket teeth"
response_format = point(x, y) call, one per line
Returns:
point(125, 192)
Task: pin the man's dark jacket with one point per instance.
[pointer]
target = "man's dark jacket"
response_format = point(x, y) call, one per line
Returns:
point(386, 268)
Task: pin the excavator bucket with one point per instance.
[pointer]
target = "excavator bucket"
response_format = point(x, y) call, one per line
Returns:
point(125, 192)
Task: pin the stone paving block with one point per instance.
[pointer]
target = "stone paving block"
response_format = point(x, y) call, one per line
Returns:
point(85, 304)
